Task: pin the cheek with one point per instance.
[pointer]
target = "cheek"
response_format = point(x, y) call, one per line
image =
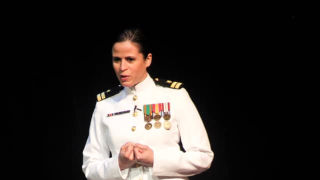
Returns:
point(115, 67)
point(141, 67)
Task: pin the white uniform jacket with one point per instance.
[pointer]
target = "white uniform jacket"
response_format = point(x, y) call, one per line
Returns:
point(109, 130)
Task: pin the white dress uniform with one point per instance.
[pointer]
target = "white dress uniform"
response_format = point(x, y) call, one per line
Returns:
point(120, 118)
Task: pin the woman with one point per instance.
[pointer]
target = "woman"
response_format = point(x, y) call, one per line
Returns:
point(136, 127)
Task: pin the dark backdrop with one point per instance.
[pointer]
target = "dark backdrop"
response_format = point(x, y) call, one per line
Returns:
point(235, 64)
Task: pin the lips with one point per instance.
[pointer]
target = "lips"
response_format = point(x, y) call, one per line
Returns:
point(124, 77)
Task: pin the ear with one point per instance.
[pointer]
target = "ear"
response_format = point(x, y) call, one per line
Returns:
point(148, 60)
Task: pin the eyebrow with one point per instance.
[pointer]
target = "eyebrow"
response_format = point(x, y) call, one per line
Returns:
point(124, 57)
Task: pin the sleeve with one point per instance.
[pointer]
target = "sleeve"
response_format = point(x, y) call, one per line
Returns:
point(198, 155)
point(97, 165)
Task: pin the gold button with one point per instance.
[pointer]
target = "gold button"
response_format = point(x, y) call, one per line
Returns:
point(135, 97)
point(133, 128)
point(135, 114)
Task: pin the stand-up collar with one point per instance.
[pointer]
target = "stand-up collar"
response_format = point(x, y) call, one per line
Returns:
point(144, 85)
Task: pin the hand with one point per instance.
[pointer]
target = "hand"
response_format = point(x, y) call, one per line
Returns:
point(126, 156)
point(143, 155)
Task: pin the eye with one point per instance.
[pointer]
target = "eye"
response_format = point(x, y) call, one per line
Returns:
point(130, 59)
point(116, 59)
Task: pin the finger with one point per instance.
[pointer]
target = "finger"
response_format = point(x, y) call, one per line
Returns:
point(131, 156)
point(137, 153)
point(124, 147)
point(141, 146)
point(130, 149)
point(128, 144)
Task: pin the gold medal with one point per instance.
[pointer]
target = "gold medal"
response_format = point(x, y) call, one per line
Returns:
point(167, 125)
point(157, 124)
point(148, 126)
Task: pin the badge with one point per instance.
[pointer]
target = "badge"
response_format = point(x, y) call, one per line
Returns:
point(118, 113)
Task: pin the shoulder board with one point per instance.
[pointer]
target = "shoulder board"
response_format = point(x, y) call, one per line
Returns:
point(109, 92)
point(168, 83)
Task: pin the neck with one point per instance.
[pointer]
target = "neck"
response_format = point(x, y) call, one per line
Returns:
point(143, 78)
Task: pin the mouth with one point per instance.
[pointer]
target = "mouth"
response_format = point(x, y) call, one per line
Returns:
point(124, 77)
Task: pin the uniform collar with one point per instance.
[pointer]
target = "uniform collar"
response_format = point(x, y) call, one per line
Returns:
point(144, 85)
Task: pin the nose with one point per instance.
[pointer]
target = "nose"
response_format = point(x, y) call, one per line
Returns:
point(123, 65)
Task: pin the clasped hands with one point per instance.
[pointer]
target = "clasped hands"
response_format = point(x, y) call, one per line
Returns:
point(135, 153)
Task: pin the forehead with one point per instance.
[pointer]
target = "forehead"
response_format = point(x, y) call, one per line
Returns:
point(125, 47)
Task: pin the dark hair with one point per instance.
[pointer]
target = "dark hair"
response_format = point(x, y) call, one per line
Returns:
point(137, 36)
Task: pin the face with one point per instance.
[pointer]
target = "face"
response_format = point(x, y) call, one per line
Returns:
point(129, 64)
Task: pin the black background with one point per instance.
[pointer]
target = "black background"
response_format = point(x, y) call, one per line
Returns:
point(237, 63)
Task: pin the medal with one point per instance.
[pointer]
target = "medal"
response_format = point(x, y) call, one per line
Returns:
point(151, 110)
point(167, 115)
point(148, 126)
point(167, 125)
point(157, 116)
point(146, 116)
point(161, 109)
point(157, 124)
point(146, 112)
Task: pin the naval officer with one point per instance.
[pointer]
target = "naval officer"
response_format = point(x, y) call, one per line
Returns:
point(136, 127)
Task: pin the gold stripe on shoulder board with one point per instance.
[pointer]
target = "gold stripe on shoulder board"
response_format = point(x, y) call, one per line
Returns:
point(178, 85)
point(103, 95)
point(98, 97)
point(173, 84)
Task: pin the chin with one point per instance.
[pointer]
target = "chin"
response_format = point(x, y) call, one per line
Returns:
point(126, 84)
